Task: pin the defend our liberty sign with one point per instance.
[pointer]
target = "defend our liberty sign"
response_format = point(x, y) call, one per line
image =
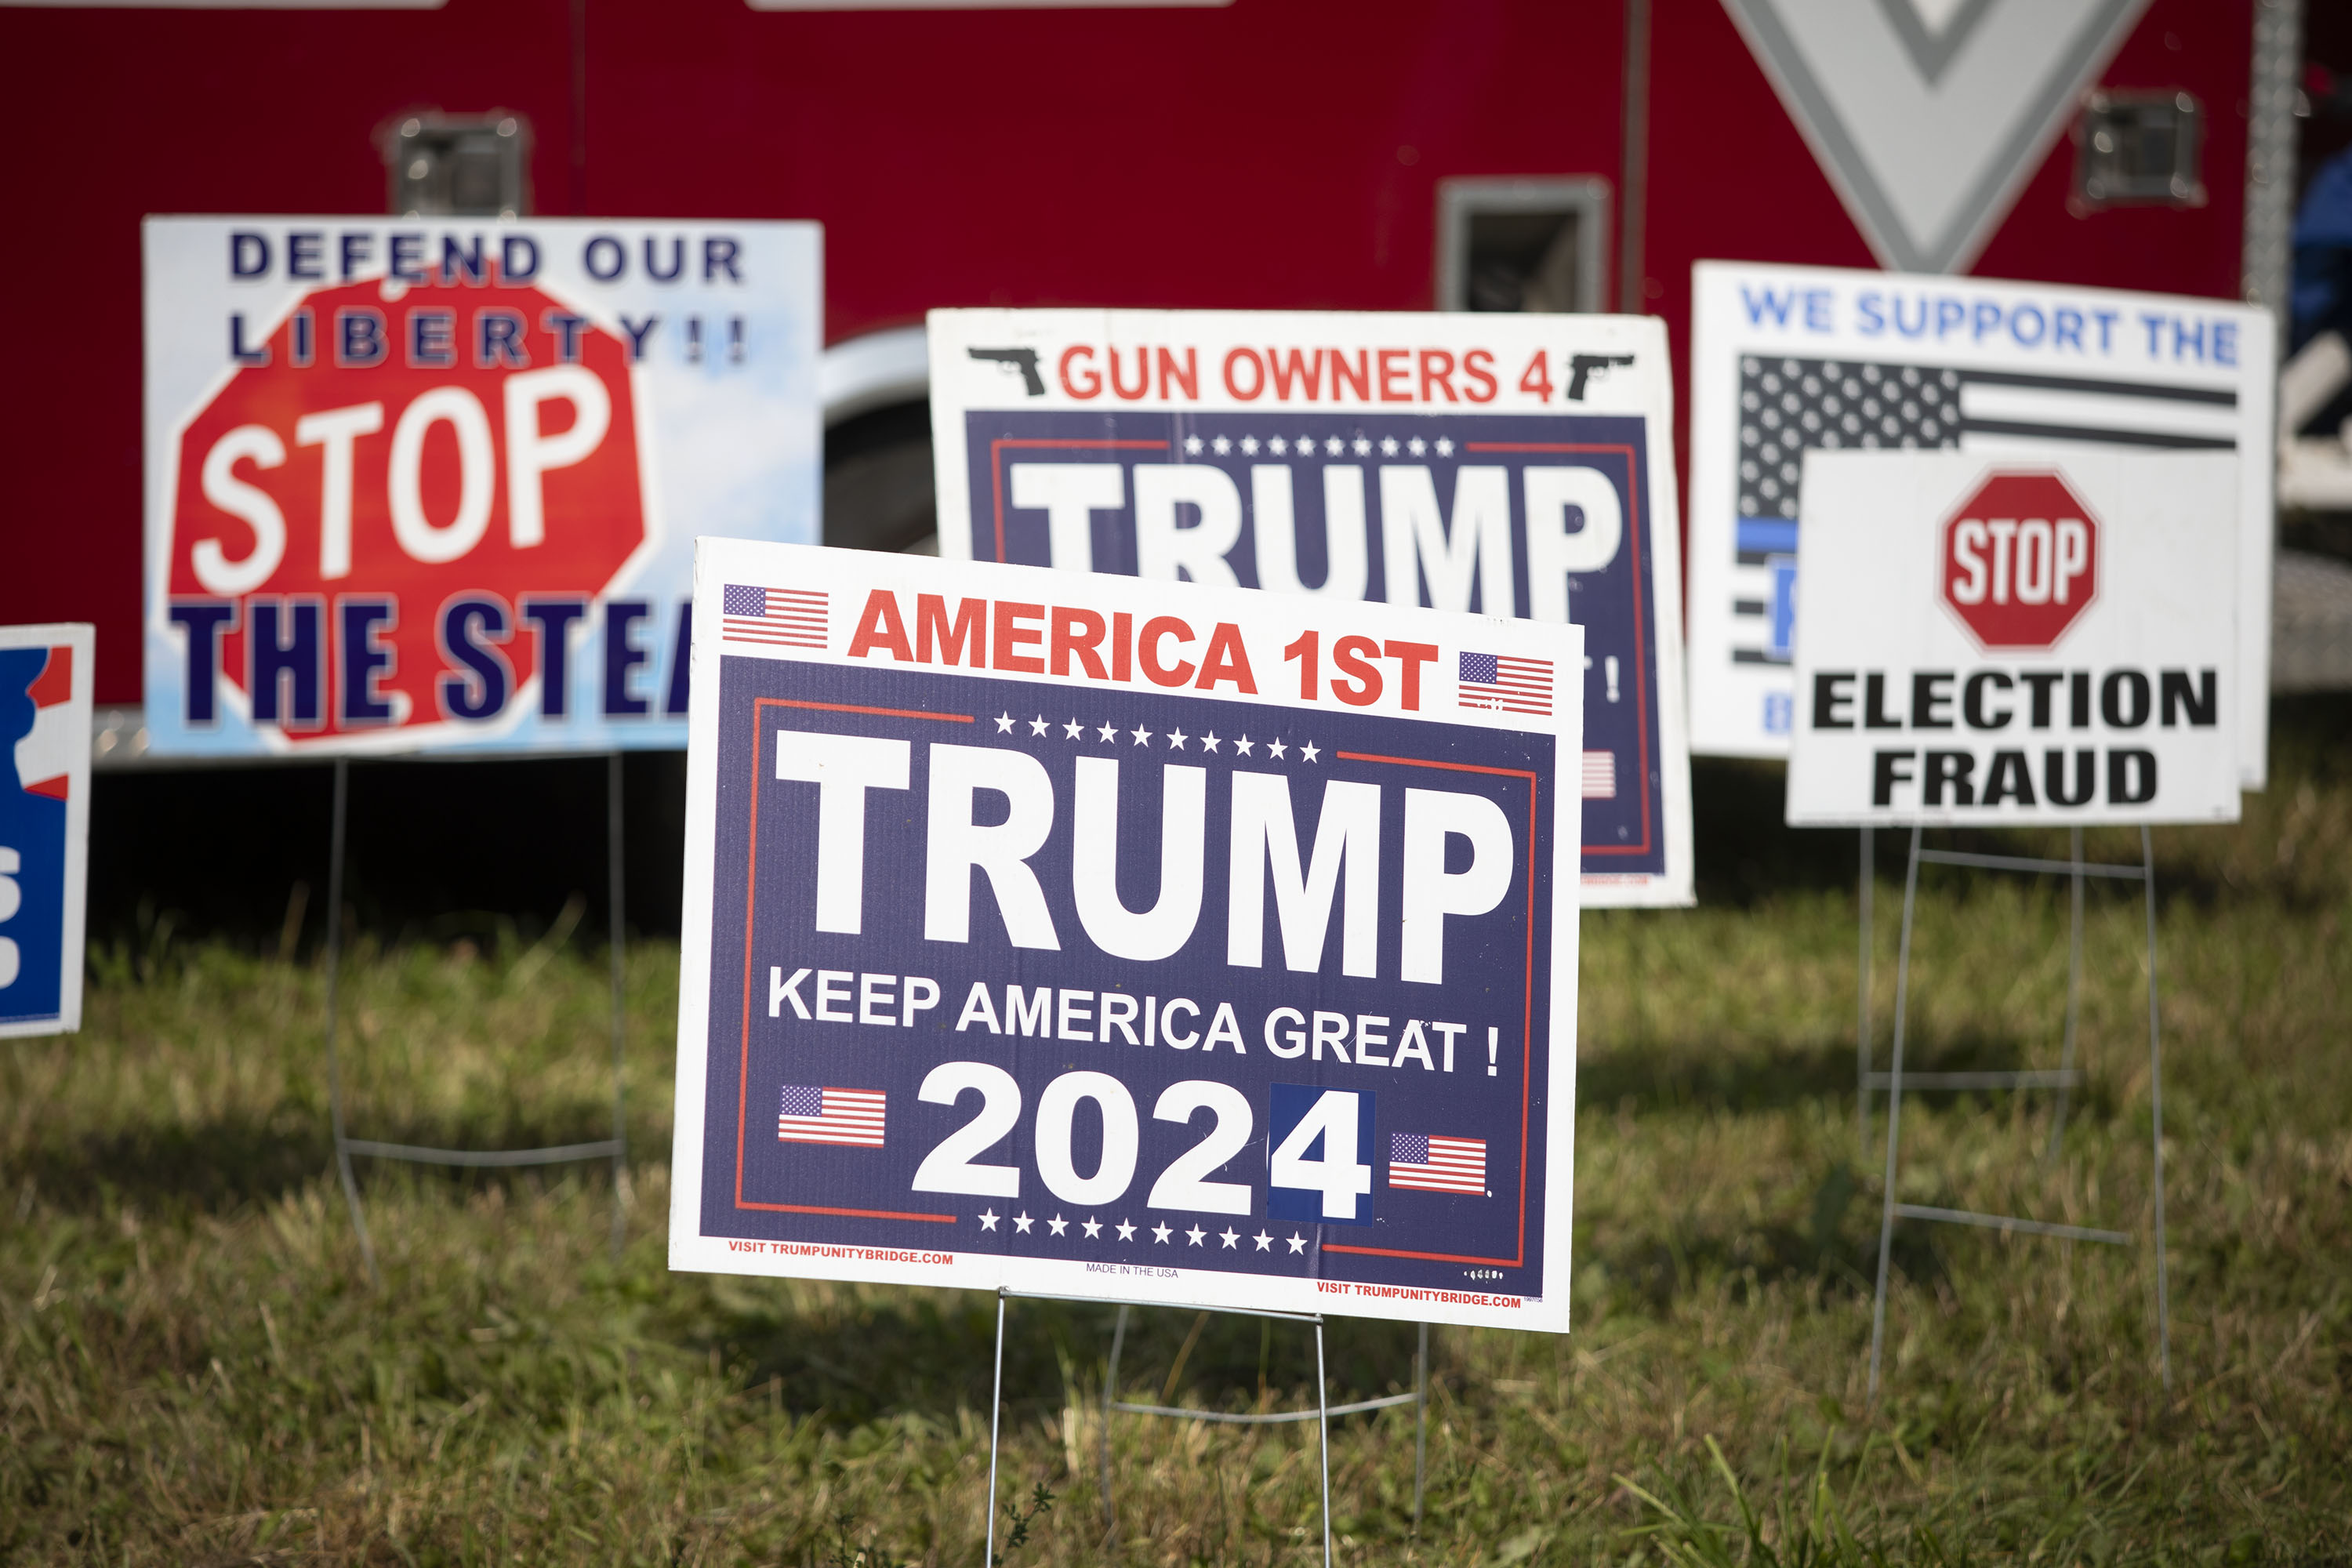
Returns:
point(2017, 643)
point(1511, 465)
point(44, 709)
point(431, 484)
point(1127, 940)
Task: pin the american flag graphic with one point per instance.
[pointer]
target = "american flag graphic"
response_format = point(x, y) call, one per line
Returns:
point(45, 755)
point(1599, 775)
point(785, 617)
point(1791, 406)
point(1503, 683)
point(831, 1116)
point(1437, 1165)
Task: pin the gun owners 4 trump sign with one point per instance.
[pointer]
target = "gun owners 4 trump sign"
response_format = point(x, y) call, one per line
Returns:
point(1127, 941)
point(432, 484)
point(1512, 465)
point(2013, 643)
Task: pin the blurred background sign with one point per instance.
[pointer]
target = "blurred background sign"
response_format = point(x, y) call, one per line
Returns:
point(1510, 463)
point(433, 483)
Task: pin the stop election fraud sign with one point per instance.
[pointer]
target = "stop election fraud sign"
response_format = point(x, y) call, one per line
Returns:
point(1519, 464)
point(431, 484)
point(1132, 941)
point(1991, 642)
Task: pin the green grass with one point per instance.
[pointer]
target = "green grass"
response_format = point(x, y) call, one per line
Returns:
point(192, 1369)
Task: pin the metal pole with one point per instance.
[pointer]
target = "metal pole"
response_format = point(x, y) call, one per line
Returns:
point(334, 976)
point(2156, 1109)
point(1420, 1422)
point(579, 108)
point(2074, 991)
point(620, 1027)
point(1862, 1004)
point(2270, 156)
point(995, 1405)
point(1323, 1427)
point(1110, 1395)
point(1893, 1114)
point(1632, 297)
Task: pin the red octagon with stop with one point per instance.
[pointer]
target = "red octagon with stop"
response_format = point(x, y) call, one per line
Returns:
point(2020, 559)
point(479, 450)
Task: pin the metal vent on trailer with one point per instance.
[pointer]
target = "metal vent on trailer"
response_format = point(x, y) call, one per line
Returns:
point(2139, 149)
point(447, 166)
point(1521, 245)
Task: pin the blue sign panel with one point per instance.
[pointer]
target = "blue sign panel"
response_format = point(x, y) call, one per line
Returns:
point(1339, 503)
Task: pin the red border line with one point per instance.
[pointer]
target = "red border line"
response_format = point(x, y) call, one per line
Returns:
point(1429, 1257)
point(1423, 762)
point(1640, 668)
point(858, 1214)
point(751, 910)
point(996, 466)
point(1526, 1021)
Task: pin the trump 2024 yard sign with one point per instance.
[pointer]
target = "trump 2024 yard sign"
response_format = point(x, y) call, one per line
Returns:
point(2018, 642)
point(434, 484)
point(1132, 941)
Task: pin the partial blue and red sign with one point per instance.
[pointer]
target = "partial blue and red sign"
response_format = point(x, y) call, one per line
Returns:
point(45, 737)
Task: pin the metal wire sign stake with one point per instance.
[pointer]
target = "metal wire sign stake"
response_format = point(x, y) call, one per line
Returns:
point(615, 1148)
point(1321, 1415)
point(2043, 642)
point(1896, 1080)
point(1329, 1070)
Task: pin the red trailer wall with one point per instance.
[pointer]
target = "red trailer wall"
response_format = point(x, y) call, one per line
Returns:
point(1278, 153)
point(1732, 179)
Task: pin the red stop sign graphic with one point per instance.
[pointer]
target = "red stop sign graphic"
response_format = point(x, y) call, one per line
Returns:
point(449, 449)
point(2021, 559)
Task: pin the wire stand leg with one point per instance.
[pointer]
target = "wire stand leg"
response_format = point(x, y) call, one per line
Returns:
point(1861, 1005)
point(1110, 1395)
point(995, 1405)
point(334, 976)
point(2155, 1108)
point(1420, 1423)
point(1323, 1428)
point(612, 842)
point(1893, 1116)
point(2074, 993)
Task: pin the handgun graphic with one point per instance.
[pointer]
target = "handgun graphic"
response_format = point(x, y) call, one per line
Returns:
point(1025, 361)
point(1579, 369)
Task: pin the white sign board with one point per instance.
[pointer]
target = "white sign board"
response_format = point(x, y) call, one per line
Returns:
point(1787, 361)
point(2012, 643)
point(44, 689)
point(432, 484)
point(1511, 465)
point(1127, 940)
